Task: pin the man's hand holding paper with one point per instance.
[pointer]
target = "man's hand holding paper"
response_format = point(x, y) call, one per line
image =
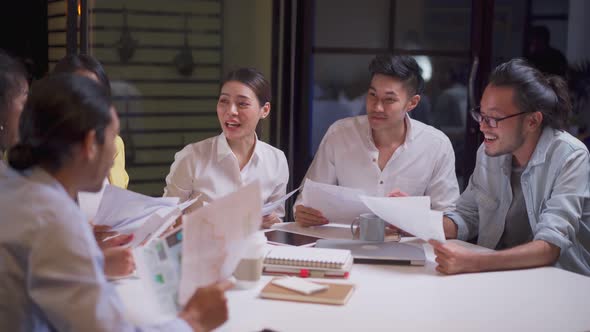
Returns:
point(306, 216)
point(126, 212)
point(410, 214)
point(336, 204)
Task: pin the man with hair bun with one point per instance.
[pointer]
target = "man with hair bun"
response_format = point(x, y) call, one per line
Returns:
point(529, 196)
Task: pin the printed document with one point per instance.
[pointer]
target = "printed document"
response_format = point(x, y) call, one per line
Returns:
point(154, 226)
point(125, 210)
point(89, 202)
point(340, 205)
point(268, 208)
point(215, 236)
point(412, 214)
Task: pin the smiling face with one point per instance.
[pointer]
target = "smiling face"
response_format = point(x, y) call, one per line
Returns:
point(239, 111)
point(509, 136)
point(387, 102)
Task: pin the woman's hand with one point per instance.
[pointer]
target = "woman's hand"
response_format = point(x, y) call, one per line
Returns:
point(118, 261)
point(102, 232)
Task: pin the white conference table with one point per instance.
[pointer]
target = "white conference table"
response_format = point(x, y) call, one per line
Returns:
point(406, 298)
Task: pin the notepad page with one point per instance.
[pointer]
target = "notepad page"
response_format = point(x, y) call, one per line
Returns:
point(308, 257)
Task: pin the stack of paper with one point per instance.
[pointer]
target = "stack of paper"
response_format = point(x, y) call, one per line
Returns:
point(128, 212)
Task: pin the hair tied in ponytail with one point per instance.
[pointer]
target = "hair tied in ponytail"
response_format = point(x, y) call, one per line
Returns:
point(22, 156)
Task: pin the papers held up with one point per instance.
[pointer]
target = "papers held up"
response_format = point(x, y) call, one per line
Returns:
point(214, 237)
point(268, 208)
point(129, 212)
point(338, 204)
point(341, 205)
point(412, 214)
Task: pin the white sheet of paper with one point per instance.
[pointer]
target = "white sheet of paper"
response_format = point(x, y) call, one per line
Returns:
point(155, 225)
point(214, 237)
point(119, 208)
point(89, 202)
point(268, 208)
point(338, 204)
point(412, 214)
point(149, 227)
point(184, 205)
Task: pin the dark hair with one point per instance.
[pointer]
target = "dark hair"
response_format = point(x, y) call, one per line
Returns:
point(254, 80)
point(401, 67)
point(59, 113)
point(535, 92)
point(12, 74)
point(540, 32)
point(73, 63)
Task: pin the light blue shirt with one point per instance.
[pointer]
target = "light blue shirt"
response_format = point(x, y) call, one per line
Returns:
point(50, 265)
point(556, 189)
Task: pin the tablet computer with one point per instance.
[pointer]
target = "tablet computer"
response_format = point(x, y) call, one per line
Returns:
point(280, 237)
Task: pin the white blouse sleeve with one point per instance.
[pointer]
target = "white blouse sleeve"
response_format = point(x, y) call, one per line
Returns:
point(179, 182)
point(281, 185)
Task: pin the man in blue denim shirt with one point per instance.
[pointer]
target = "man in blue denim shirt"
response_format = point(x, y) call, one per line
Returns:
point(528, 197)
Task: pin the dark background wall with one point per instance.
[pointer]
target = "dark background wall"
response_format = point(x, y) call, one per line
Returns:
point(23, 33)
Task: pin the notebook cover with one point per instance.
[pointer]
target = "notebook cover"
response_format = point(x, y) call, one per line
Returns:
point(337, 294)
point(327, 259)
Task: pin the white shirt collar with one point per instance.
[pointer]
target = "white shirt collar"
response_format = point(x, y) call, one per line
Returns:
point(410, 132)
point(224, 150)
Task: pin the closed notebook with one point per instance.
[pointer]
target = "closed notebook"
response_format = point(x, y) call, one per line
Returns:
point(294, 260)
point(337, 294)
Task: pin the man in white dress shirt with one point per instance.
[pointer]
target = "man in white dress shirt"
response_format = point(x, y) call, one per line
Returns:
point(385, 152)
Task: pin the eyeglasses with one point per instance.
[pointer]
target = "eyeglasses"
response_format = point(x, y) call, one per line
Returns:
point(492, 122)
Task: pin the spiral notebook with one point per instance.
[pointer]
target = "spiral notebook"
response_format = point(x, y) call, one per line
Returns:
point(308, 262)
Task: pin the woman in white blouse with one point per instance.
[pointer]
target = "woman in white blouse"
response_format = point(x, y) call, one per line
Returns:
point(219, 165)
